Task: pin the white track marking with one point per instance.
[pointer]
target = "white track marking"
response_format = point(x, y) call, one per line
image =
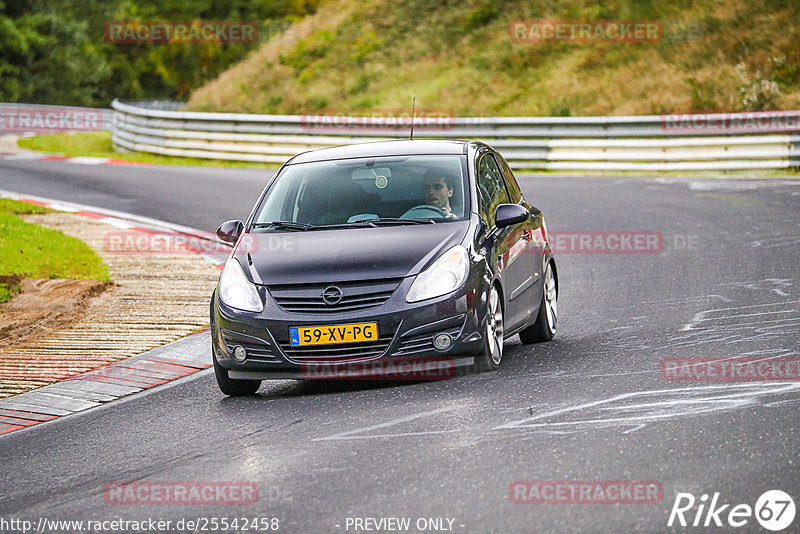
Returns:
point(87, 160)
point(703, 315)
point(667, 404)
point(350, 433)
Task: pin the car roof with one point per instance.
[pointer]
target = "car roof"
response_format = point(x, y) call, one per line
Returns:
point(395, 147)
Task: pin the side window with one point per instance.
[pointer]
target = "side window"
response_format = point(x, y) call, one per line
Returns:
point(491, 186)
point(511, 182)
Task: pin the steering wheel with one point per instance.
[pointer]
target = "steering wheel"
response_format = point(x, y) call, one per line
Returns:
point(419, 212)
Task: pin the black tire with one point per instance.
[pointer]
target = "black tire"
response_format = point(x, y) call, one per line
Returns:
point(492, 353)
point(231, 387)
point(545, 326)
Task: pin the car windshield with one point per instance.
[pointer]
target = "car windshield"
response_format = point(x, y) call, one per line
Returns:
point(366, 192)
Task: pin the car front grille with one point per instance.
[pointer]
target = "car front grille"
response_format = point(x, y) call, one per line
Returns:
point(308, 298)
point(337, 353)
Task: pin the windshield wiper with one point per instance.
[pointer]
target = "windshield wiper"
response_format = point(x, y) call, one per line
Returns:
point(366, 223)
point(285, 225)
point(398, 221)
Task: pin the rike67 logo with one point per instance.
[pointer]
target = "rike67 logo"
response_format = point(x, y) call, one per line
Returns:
point(774, 510)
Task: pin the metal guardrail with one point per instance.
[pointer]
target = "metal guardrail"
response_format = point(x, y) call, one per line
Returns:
point(758, 140)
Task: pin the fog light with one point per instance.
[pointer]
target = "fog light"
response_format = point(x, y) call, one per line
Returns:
point(442, 341)
point(239, 354)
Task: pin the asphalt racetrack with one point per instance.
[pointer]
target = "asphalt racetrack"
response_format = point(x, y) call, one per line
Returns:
point(592, 405)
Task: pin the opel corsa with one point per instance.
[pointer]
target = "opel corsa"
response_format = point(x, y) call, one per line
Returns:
point(381, 252)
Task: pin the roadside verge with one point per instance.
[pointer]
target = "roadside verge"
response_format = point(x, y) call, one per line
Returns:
point(163, 278)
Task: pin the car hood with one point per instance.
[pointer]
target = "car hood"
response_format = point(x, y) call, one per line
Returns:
point(345, 254)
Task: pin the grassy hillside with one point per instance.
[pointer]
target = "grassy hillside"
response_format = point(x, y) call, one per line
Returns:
point(459, 56)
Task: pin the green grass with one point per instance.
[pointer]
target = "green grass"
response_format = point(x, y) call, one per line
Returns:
point(98, 144)
point(21, 208)
point(8, 290)
point(32, 251)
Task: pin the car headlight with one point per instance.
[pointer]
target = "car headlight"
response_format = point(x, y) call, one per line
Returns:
point(235, 289)
point(446, 274)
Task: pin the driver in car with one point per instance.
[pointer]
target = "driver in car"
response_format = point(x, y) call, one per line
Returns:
point(438, 188)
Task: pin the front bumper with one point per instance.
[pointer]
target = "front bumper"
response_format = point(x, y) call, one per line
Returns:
point(405, 334)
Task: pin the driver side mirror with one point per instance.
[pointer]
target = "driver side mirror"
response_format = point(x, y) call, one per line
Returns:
point(508, 214)
point(229, 231)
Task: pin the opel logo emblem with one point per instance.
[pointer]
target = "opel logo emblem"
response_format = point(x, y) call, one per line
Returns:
point(332, 295)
